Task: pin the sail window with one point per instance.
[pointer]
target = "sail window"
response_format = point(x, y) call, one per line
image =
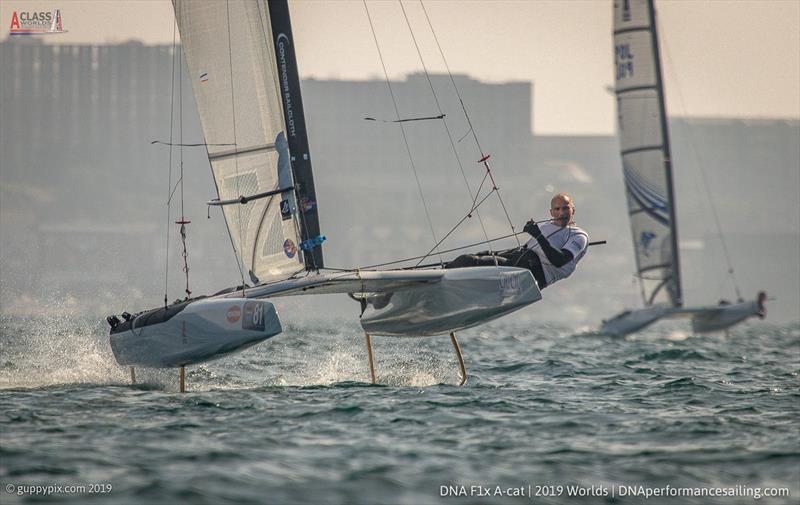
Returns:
point(235, 186)
point(273, 244)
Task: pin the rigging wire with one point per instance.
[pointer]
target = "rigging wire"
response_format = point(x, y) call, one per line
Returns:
point(183, 221)
point(482, 242)
point(449, 136)
point(170, 191)
point(403, 130)
point(174, 189)
point(240, 253)
point(469, 215)
point(706, 186)
point(484, 157)
point(475, 205)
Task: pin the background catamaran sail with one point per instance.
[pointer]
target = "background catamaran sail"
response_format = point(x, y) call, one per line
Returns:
point(647, 172)
point(232, 61)
point(644, 146)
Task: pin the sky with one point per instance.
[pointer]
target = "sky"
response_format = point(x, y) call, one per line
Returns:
point(722, 58)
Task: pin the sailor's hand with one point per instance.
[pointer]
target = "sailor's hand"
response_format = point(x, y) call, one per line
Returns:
point(532, 228)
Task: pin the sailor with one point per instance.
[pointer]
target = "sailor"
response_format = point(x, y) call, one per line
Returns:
point(552, 253)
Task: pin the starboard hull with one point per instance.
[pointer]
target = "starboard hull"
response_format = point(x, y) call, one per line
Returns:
point(723, 317)
point(193, 332)
point(464, 297)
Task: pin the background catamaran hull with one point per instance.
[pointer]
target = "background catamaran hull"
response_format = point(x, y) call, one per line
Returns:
point(633, 320)
point(204, 330)
point(704, 319)
point(464, 297)
point(723, 317)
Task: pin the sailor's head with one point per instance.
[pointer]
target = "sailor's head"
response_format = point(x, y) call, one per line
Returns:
point(562, 209)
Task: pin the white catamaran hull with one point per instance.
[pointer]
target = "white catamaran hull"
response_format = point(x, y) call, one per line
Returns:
point(463, 297)
point(725, 316)
point(704, 319)
point(193, 332)
point(418, 303)
point(631, 321)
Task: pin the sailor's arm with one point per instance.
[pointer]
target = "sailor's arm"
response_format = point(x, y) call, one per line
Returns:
point(557, 258)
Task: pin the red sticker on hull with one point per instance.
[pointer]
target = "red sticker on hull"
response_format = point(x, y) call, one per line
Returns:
point(234, 314)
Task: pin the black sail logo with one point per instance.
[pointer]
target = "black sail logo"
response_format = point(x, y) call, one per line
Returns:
point(282, 41)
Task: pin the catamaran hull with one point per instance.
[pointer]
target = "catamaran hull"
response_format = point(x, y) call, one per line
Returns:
point(200, 331)
point(633, 320)
point(704, 319)
point(464, 297)
point(723, 317)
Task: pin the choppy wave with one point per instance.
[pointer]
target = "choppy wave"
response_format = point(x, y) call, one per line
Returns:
point(295, 419)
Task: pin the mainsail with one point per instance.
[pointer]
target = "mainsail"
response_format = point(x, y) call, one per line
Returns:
point(644, 146)
point(244, 91)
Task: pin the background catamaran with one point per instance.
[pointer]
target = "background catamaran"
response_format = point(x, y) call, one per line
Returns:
point(241, 60)
point(647, 171)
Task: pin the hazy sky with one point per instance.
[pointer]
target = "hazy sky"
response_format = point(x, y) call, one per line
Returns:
point(722, 58)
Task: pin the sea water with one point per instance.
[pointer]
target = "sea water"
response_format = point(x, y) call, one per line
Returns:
point(549, 415)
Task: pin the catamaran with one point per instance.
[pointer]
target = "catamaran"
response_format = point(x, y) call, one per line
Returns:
point(647, 171)
point(241, 60)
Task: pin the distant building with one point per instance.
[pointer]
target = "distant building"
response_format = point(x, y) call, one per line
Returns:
point(83, 191)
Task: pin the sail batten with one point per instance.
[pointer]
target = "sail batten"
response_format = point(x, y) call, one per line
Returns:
point(659, 147)
point(645, 151)
point(643, 28)
point(233, 68)
point(236, 152)
point(622, 91)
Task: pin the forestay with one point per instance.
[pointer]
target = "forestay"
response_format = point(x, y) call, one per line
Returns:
point(644, 146)
point(231, 60)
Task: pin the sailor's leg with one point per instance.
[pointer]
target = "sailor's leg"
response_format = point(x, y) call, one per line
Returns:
point(183, 379)
point(474, 260)
point(465, 260)
point(460, 358)
point(133, 376)
point(369, 353)
point(531, 261)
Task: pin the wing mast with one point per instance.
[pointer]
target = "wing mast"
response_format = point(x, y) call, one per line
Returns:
point(676, 293)
point(289, 87)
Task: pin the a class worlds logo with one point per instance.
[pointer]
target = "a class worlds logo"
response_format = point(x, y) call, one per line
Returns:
point(36, 23)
